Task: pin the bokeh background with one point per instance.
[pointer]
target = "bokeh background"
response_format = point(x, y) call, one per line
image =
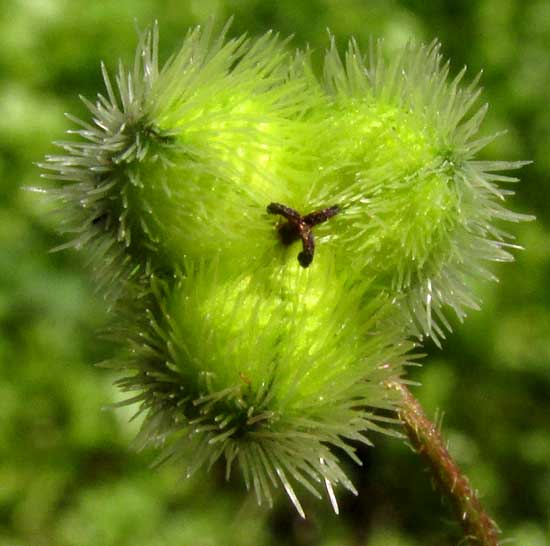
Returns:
point(68, 474)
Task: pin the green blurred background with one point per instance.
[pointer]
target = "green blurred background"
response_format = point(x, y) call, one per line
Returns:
point(68, 475)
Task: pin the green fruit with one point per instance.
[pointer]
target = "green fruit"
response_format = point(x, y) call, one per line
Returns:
point(274, 244)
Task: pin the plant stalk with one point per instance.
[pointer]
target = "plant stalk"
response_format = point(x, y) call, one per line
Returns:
point(426, 440)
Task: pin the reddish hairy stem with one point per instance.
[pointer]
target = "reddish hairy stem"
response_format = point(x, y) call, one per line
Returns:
point(425, 438)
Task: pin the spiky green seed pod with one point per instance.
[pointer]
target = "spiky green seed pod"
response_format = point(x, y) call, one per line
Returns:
point(200, 183)
point(398, 153)
point(170, 149)
point(270, 372)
